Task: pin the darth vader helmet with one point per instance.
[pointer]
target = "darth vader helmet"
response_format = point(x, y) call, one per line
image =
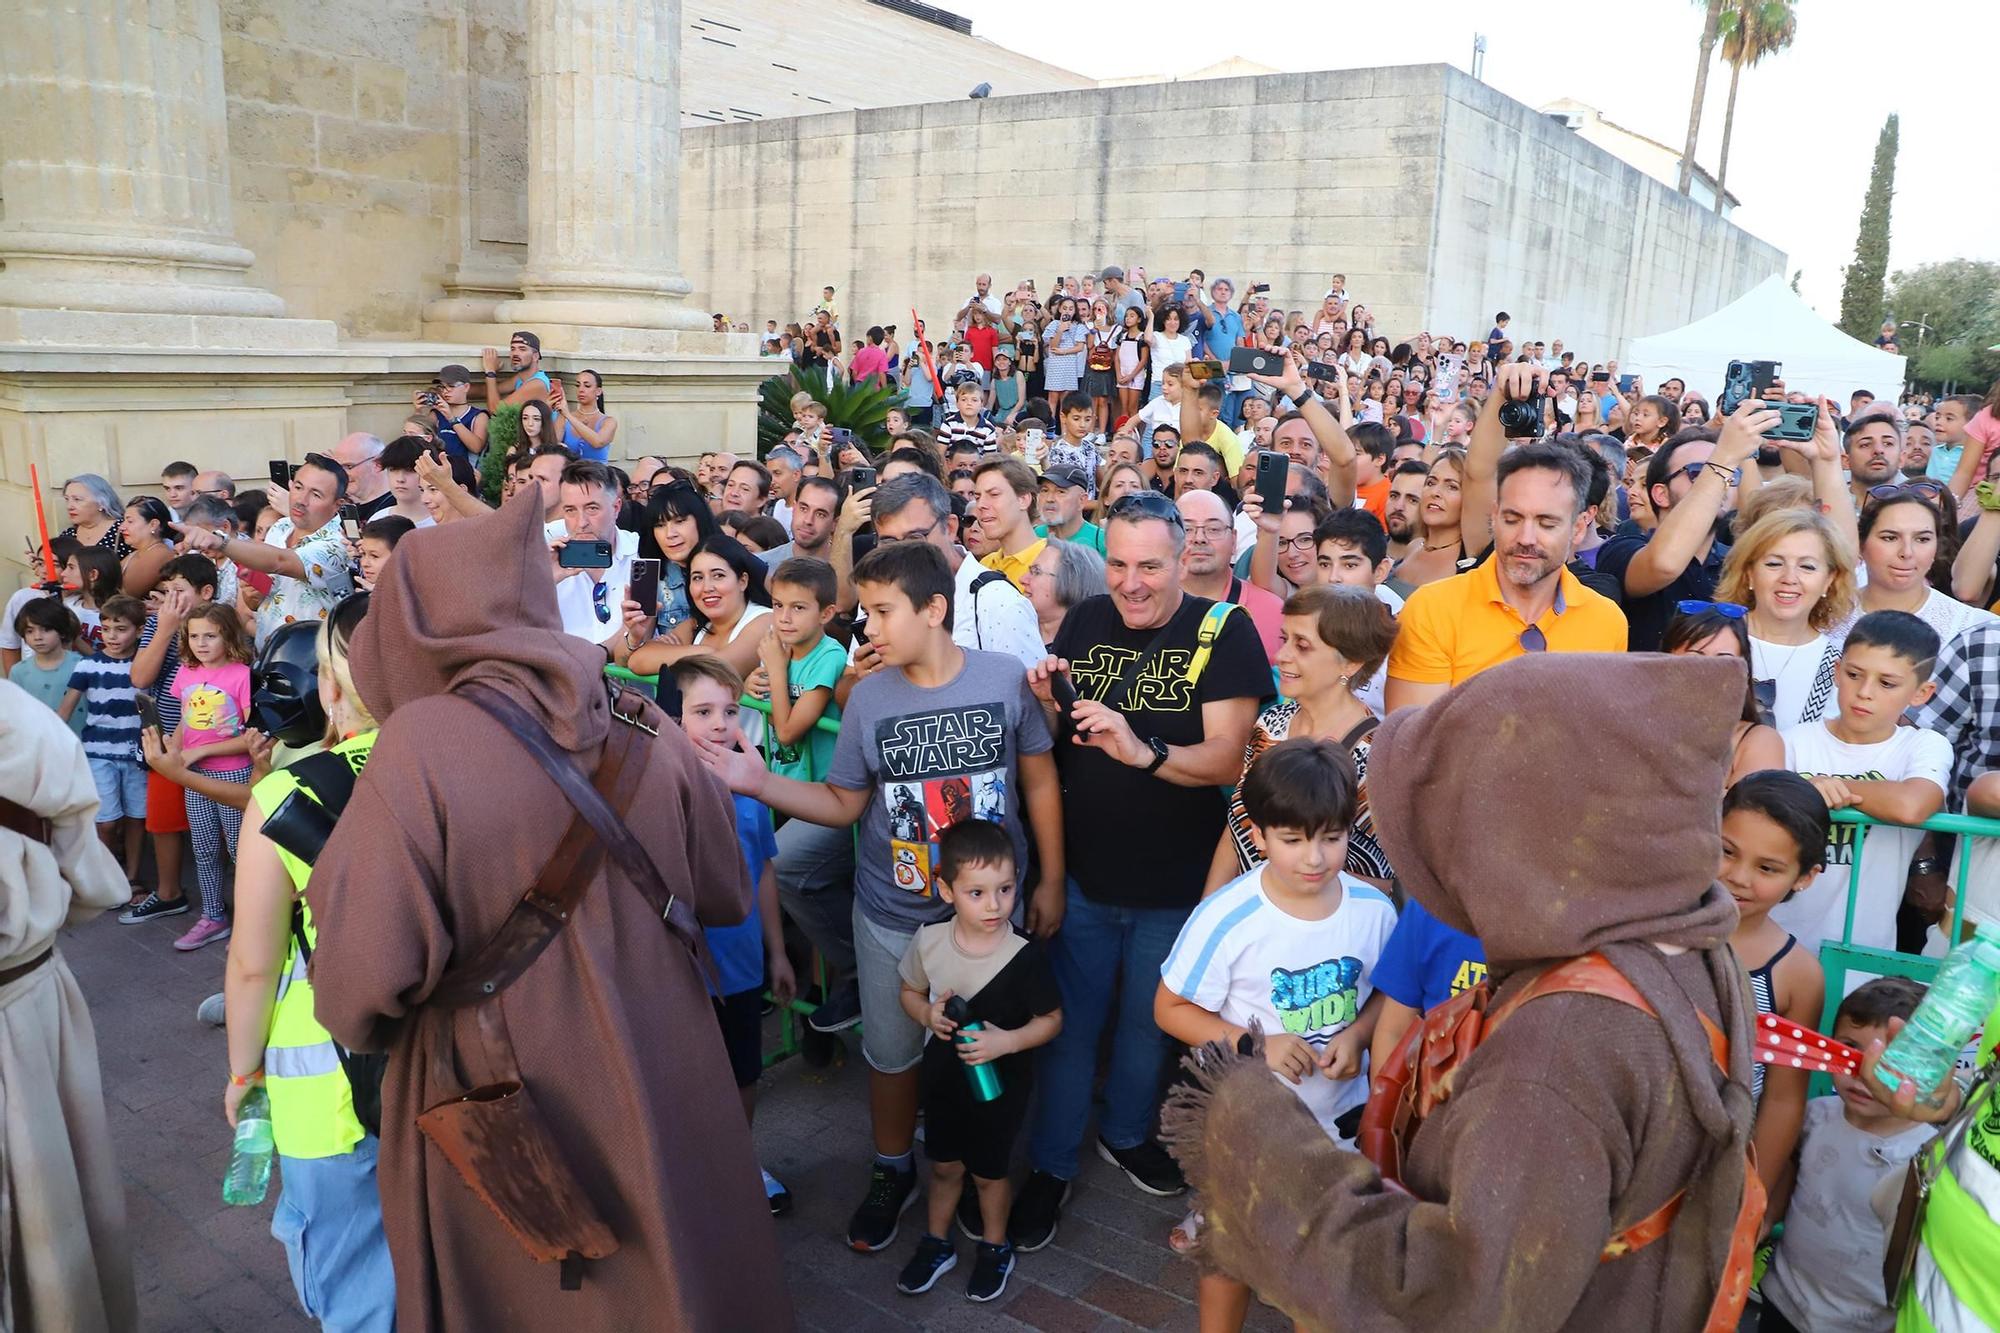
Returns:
point(285, 685)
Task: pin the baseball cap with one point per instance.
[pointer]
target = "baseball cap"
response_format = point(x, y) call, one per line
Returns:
point(455, 375)
point(1113, 272)
point(528, 338)
point(1067, 476)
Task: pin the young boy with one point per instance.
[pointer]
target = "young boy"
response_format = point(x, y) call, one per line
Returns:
point(1827, 1270)
point(1289, 949)
point(1003, 977)
point(968, 424)
point(1860, 759)
point(377, 544)
point(1078, 446)
point(808, 418)
point(48, 630)
point(897, 422)
point(933, 736)
point(798, 667)
point(101, 685)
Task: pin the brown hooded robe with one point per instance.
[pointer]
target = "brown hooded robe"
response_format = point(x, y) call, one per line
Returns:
point(612, 1027)
point(1536, 808)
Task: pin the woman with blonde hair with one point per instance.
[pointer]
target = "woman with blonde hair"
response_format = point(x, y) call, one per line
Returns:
point(1794, 570)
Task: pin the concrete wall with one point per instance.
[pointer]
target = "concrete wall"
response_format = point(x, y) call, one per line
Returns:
point(1291, 177)
point(1568, 239)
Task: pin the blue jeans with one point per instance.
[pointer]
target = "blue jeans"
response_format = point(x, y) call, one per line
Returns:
point(329, 1218)
point(1100, 947)
point(1232, 407)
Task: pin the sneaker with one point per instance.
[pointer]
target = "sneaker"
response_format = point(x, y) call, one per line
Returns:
point(991, 1266)
point(838, 1012)
point(970, 1220)
point(873, 1226)
point(933, 1259)
point(205, 931)
point(211, 1012)
point(776, 1195)
point(1032, 1222)
point(152, 905)
point(1149, 1166)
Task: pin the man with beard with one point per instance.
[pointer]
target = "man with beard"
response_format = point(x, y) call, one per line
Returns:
point(1874, 446)
point(1522, 600)
point(814, 506)
point(1400, 510)
point(1208, 567)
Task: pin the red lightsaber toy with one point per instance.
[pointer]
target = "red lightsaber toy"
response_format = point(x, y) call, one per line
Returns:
point(930, 362)
point(1783, 1043)
point(42, 524)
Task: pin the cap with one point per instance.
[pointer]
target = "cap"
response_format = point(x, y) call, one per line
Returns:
point(1067, 476)
point(1113, 272)
point(528, 338)
point(455, 375)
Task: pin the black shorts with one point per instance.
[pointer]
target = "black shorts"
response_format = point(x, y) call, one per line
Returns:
point(742, 1018)
point(960, 1128)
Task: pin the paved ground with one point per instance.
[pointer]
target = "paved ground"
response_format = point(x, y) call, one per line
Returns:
point(204, 1266)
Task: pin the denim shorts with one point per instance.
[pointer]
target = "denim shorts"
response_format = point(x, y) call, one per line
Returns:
point(891, 1041)
point(121, 788)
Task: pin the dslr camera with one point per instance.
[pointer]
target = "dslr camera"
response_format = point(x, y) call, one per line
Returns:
point(1521, 419)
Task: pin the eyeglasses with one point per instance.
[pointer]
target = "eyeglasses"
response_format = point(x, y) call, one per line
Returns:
point(919, 535)
point(1302, 542)
point(1921, 489)
point(1209, 532)
point(1727, 610)
point(1147, 505)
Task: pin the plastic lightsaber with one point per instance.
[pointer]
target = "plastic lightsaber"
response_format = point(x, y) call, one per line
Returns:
point(42, 524)
point(1783, 1043)
point(924, 352)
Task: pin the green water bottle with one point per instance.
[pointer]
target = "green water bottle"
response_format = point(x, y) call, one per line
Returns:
point(250, 1157)
point(985, 1078)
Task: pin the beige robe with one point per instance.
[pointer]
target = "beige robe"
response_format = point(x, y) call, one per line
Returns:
point(65, 1260)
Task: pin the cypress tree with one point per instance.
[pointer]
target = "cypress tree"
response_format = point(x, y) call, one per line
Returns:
point(1861, 295)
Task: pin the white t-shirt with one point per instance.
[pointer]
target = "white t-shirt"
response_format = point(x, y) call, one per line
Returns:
point(1169, 352)
point(1819, 912)
point(1945, 614)
point(1244, 959)
point(1795, 666)
point(576, 596)
point(1156, 414)
point(12, 641)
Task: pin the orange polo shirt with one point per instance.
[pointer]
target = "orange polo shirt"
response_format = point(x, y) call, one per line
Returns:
point(1452, 630)
point(1374, 498)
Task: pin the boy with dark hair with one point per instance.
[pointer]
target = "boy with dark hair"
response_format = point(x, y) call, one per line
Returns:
point(101, 685)
point(1826, 1272)
point(1287, 950)
point(798, 666)
point(377, 543)
point(935, 735)
point(49, 630)
point(1077, 444)
point(1001, 975)
point(1861, 759)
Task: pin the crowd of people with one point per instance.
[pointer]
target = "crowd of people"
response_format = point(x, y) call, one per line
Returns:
point(1051, 729)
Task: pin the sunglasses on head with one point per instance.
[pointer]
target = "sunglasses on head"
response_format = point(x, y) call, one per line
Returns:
point(1146, 504)
point(1727, 610)
point(1921, 489)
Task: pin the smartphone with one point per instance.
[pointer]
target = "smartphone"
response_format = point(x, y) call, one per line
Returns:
point(836, 436)
point(1034, 441)
point(1626, 383)
point(1260, 288)
point(1322, 371)
point(644, 587)
point(856, 479)
point(350, 522)
point(1202, 370)
point(281, 473)
point(1272, 470)
point(1799, 420)
point(1255, 361)
point(584, 553)
point(1600, 377)
point(1063, 690)
point(149, 711)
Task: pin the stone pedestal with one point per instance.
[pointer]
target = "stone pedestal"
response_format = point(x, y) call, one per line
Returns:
point(603, 168)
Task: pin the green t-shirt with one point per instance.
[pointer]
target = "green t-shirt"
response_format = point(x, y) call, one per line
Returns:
point(1088, 535)
point(819, 669)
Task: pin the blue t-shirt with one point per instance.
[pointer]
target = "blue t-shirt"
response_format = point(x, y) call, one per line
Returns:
point(1222, 334)
point(1427, 962)
point(110, 715)
point(739, 950)
point(49, 686)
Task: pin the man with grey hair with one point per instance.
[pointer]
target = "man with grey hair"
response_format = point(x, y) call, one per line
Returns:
point(367, 485)
point(218, 516)
point(1168, 685)
point(787, 469)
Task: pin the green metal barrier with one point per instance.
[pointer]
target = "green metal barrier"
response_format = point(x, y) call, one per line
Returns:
point(789, 1041)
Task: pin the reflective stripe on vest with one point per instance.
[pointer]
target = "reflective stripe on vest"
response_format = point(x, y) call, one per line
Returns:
point(1955, 1287)
point(312, 1104)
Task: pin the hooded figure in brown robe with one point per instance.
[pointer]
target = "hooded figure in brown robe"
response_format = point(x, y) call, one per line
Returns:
point(612, 1026)
point(1536, 808)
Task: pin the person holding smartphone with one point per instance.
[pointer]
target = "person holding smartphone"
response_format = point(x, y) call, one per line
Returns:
point(460, 426)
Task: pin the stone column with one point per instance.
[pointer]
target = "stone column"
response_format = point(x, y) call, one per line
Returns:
point(116, 161)
point(604, 145)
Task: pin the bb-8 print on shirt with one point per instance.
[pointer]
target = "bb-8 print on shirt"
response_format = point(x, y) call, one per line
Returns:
point(208, 709)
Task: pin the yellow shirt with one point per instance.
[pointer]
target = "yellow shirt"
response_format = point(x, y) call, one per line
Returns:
point(1452, 630)
point(1230, 445)
point(1015, 566)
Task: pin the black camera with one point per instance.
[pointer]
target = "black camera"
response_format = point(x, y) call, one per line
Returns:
point(1522, 420)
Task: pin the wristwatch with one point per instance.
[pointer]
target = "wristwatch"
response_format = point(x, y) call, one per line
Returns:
point(1159, 749)
point(1927, 865)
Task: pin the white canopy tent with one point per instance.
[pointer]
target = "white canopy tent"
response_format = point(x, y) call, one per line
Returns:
point(1767, 323)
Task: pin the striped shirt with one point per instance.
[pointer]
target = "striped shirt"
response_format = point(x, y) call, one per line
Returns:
point(111, 718)
point(162, 691)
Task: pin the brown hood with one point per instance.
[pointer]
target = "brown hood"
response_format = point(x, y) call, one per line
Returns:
point(1562, 802)
point(475, 601)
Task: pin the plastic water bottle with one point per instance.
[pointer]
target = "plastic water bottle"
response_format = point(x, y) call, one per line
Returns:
point(1966, 989)
point(985, 1078)
point(250, 1158)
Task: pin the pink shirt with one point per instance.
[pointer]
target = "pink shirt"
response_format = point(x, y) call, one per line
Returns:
point(1267, 613)
point(871, 362)
point(215, 701)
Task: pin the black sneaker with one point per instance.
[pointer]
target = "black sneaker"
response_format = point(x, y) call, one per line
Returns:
point(933, 1259)
point(873, 1226)
point(776, 1195)
point(1032, 1223)
point(991, 1266)
point(1149, 1166)
point(838, 1012)
point(152, 908)
point(970, 1220)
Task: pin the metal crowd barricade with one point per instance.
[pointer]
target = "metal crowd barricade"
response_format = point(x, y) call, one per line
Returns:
point(789, 1039)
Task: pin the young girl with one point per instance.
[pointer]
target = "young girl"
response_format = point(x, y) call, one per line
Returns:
point(91, 578)
point(1774, 834)
point(213, 686)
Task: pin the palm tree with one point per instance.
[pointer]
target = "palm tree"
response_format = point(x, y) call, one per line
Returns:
point(1749, 30)
point(1709, 24)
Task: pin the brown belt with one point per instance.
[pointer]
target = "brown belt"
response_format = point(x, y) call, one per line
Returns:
point(16, 973)
point(24, 821)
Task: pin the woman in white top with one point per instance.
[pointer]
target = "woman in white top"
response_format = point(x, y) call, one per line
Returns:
point(1794, 569)
point(1171, 346)
point(1355, 358)
point(1899, 544)
point(731, 610)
